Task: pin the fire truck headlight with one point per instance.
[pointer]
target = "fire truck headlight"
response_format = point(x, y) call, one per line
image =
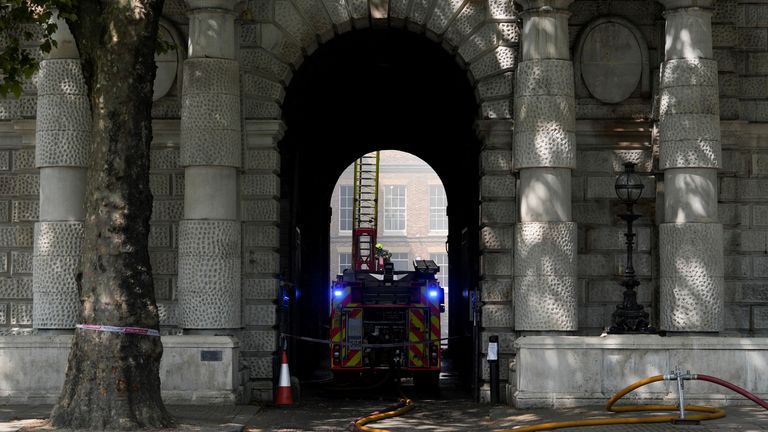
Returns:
point(433, 294)
point(338, 293)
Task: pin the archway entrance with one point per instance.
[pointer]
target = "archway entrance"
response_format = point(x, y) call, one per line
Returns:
point(363, 91)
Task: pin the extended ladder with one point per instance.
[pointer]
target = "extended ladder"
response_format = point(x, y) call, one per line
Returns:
point(365, 211)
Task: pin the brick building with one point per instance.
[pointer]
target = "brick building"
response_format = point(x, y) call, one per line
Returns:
point(526, 110)
point(413, 222)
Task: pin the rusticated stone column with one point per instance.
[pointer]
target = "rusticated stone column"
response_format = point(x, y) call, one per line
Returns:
point(691, 240)
point(62, 142)
point(545, 155)
point(209, 235)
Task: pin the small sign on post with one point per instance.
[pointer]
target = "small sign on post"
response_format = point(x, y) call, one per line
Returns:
point(493, 366)
point(493, 349)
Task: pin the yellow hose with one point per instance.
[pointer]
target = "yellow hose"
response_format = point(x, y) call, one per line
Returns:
point(360, 424)
point(712, 412)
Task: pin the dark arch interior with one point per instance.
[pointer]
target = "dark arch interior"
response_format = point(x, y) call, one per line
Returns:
point(363, 91)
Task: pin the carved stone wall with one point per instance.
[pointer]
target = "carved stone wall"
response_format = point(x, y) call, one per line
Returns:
point(167, 186)
point(259, 206)
point(498, 213)
point(19, 209)
point(545, 276)
point(692, 277)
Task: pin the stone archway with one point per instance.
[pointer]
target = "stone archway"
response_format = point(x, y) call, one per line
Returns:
point(275, 37)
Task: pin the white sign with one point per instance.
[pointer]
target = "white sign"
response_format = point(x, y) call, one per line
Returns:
point(493, 351)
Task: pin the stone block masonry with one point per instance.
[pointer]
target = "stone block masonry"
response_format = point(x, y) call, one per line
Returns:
point(545, 155)
point(16, 233)
point(200, 370)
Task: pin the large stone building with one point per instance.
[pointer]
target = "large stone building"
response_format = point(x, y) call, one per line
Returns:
point(526, 110)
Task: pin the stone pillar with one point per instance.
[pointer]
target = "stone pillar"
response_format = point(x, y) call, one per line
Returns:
point(209, 234)
point(545, 155)
point(691, 240)
point(62, 142)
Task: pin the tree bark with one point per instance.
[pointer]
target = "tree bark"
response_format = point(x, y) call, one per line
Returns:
point(112, 379)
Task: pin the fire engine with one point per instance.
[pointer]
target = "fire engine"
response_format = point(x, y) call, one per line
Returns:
point(382, 318)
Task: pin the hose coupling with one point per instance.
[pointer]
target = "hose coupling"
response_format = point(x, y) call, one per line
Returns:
point(675, 375)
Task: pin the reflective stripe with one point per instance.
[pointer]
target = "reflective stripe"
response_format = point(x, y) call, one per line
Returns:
point(354, 359)
point(416, 327)
point(435, 327)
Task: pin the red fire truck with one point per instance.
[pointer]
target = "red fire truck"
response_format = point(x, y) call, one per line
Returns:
point(382, 318)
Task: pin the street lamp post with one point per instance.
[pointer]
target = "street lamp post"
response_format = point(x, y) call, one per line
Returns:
point(629, 316)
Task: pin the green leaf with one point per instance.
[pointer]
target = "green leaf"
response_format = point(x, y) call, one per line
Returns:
point(16, 89)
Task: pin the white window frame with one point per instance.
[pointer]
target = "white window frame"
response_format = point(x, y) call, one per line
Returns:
point(442, 276)
point(342, 264)
point(397, 257)
point(389, 209)
point(342, 208)
point(438, 211)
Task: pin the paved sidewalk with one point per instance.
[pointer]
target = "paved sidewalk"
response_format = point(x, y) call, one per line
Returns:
point(738, 419)
point(329, 414)
point(201, 418)
point(466, 416)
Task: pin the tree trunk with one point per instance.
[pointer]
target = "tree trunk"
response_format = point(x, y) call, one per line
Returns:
point(112, 379)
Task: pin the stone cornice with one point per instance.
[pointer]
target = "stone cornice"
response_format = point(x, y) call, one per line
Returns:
point(680, 4)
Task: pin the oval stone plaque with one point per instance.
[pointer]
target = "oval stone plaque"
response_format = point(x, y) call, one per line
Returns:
point(611, 62)
point(167, 65)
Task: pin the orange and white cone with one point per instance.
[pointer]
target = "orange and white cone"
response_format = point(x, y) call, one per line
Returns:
point(284, 395)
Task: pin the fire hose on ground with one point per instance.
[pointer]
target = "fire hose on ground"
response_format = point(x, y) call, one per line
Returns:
point(709, 413)
point(400, 408)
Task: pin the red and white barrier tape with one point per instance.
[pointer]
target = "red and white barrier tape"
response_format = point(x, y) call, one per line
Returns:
point(115, 329)
point(368, 345)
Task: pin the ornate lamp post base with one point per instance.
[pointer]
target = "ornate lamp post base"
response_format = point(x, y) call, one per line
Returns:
point(630, 317)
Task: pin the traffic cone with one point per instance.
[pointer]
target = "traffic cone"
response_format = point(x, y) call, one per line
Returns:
point(284, 395)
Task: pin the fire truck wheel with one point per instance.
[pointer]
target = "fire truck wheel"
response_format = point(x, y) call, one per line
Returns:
point(429, 381)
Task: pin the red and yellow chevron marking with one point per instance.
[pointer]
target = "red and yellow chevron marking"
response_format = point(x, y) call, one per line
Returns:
point(345, 298)
point(434, 326)
point(352, 357)
point(343, 331)
point(416, 327)
point(335, 330)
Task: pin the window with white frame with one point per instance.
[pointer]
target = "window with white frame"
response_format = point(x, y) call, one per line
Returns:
point(400, 261)
point(345, 262)
point(438, 218)
point(394, 208)
point(345, 208)
point(441, 259)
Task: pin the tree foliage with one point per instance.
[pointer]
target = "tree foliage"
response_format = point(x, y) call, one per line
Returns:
point(27, 26)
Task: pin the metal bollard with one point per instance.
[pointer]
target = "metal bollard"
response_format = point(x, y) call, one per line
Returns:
point(493, 365)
